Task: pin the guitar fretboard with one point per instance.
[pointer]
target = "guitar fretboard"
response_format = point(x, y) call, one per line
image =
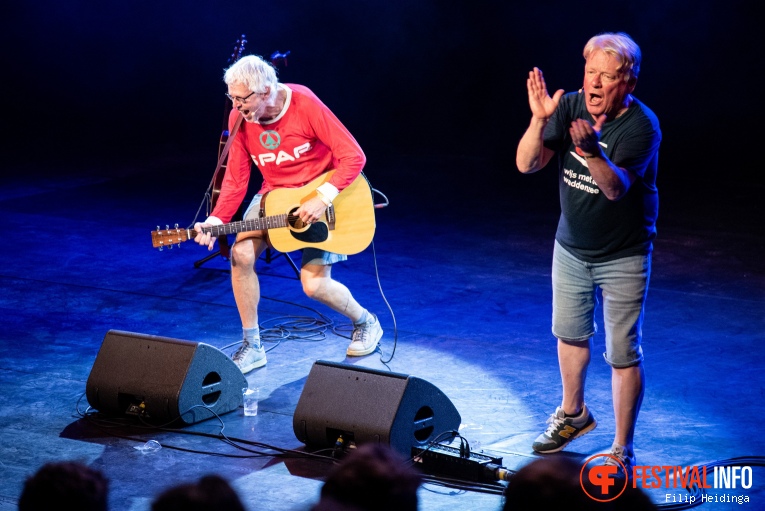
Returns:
point(253, 224)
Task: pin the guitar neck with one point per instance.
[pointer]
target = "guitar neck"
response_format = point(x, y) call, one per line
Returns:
point(254, 224)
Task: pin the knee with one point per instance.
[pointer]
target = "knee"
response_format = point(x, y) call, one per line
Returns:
point(243, 255)
point(622, 356)
point(313, 287)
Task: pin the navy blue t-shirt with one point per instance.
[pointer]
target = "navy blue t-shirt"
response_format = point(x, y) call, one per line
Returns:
point(591, 226)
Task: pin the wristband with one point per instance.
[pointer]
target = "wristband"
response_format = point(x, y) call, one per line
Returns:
point(323, 198)
point(328, 190)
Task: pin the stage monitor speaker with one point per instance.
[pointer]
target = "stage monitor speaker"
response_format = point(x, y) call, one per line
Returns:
point(365, 405)
point(162, 380)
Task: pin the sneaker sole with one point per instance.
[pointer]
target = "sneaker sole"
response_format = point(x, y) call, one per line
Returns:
point(581, 432)
point(361, 353)
point(254, 365)
point(352, 353)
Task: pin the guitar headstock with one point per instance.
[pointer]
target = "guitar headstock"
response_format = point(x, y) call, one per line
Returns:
point(278, 57)
point(169, 237)
point(238, 49)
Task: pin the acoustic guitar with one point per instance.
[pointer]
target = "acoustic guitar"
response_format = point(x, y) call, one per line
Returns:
point(347, 227)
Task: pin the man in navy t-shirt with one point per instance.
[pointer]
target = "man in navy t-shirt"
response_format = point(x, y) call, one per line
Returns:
point(607, 144)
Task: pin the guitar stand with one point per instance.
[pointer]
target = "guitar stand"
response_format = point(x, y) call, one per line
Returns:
point(268, 255)
point(202, 261)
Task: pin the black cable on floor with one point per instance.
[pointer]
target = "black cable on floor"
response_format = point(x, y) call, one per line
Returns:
point(260, 449)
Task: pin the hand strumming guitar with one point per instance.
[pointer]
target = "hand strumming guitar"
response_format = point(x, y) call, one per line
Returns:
point(311, 210)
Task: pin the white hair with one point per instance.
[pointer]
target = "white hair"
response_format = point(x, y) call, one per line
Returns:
point(254, 73)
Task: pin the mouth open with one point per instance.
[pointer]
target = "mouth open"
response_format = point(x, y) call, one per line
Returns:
point(247, 115)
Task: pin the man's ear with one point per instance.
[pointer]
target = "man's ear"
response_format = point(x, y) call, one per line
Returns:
point(631, 84)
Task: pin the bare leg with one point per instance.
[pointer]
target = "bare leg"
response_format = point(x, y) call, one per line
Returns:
point(244, 280)
point(318, 284)
point(573, 359)
point(627, 387)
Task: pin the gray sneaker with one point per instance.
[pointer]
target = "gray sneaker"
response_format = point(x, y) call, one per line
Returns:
point(249, 357)
point(561, 430)
point(365, 338)
point(618, 452)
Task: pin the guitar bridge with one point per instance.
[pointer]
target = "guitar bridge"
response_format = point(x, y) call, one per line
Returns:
point(331, 217)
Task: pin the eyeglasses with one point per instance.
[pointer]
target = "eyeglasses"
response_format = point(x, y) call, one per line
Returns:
point(234, 99)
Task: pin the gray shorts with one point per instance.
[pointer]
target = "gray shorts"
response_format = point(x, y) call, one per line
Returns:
point(624, 283)
point(310, 255)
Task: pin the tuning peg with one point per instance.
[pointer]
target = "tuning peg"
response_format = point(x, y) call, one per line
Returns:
point(176, 226)
point(167, 227)
point(157, 228)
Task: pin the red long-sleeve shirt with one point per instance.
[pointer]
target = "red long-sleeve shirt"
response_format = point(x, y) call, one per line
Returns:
point(300, 144)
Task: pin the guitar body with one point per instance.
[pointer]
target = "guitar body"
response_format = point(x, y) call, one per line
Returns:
point(349, 232)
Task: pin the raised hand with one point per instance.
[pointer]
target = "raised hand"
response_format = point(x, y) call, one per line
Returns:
point(541, 104)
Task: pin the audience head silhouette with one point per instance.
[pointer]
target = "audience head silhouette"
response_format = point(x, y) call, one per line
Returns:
point(210, 493)
point(549, 483)
point(65, 484)
point(372, 477)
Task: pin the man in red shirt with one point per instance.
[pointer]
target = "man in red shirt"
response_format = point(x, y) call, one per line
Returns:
point(292, 138)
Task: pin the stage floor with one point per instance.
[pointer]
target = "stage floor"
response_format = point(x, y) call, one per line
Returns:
point(461, 284)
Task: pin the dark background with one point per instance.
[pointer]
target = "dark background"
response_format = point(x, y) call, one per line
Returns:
point(433, 91)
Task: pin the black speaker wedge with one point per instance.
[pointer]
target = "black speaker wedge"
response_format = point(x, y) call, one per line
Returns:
point(366, 405)
point(162, 380)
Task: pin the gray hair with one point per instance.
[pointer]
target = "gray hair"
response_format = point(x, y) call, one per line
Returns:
point(254, 73)
point(620, 46)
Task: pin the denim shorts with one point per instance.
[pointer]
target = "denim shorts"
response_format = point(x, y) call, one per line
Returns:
point(624, 284)
point(310, 255)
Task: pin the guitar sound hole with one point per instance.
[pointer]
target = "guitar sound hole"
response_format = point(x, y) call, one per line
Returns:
point(314, 233)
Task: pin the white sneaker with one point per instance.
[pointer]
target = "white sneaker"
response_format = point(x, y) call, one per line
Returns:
point(365, 338)
point(249, 357)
